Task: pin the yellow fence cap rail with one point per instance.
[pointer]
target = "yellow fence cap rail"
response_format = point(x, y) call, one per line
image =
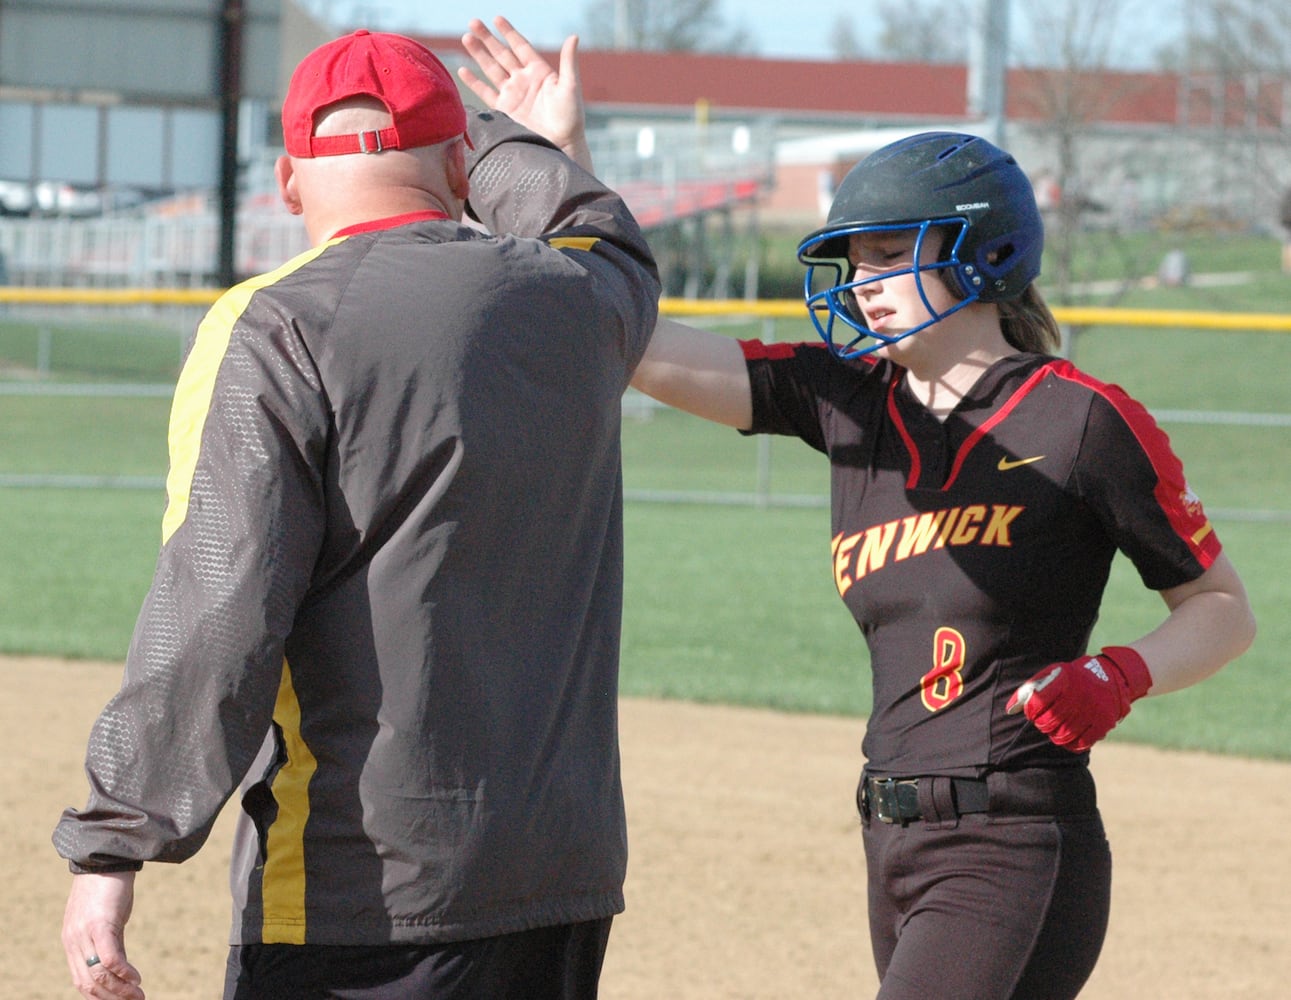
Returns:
point(766, 308)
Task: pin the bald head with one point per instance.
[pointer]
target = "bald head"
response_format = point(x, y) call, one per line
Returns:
point(333, 192)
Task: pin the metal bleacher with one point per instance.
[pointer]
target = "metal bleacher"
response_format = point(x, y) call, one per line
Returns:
point(668, 173)
point(675, 177)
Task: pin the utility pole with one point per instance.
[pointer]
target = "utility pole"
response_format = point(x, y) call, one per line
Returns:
point(230, 84)
point(621, 31)
point(988, 62)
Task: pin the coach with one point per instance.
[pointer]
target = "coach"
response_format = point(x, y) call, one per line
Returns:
point(388, 595)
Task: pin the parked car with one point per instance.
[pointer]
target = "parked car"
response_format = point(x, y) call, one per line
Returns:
point(15, 198)
point(61, 198)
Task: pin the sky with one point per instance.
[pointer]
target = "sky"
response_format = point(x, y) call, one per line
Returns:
point(780, 28)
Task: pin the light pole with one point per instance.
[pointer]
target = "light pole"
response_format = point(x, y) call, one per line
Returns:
point(988, 59)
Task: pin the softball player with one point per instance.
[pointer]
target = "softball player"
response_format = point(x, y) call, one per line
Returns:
point(980, 489)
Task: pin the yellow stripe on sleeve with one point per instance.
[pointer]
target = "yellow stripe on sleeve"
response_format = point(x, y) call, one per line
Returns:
point(574, 242)
point(196, 386)
point(283, 882)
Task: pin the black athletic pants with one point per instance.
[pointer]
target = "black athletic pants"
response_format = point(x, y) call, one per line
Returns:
point(1000, 905)
point(551, 963)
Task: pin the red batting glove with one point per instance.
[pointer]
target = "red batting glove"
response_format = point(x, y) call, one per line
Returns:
point(1076, 704)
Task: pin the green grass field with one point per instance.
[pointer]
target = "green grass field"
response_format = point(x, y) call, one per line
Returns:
point(724, 603)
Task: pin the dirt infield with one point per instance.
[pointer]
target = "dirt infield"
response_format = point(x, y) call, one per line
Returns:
point(746, 878)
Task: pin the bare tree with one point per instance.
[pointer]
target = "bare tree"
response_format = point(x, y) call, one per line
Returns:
point(929, 31)
point(664, 26)
point(843, 43)
point(1065, 48)
point(1235, 37)
point(1234, 65)
point(933, 31)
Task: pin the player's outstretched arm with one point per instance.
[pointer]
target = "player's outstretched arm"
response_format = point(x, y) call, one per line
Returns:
point(515, 79)
point(698, 371)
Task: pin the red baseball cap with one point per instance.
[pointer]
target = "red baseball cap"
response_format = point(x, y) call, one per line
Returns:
point(402, 74)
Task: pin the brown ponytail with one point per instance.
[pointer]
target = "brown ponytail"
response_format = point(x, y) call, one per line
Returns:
point(1028, 324)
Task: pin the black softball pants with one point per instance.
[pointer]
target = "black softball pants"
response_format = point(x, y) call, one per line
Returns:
point(551, 963)
point(988, 906)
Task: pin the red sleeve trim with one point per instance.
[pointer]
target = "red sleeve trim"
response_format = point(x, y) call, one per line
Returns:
point(1182, 507)
point(758, 350)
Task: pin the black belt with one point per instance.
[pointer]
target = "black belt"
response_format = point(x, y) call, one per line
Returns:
point(1061, 792)
point(896, 800)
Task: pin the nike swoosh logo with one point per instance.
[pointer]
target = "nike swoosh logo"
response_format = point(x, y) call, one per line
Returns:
point(1007, 463)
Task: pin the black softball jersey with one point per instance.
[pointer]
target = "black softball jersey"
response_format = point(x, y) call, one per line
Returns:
point(974, 551)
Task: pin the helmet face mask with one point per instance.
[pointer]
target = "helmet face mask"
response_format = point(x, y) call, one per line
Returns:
point(959, 185)
point(831, 286)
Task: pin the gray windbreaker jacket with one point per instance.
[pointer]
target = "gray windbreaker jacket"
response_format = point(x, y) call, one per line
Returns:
point(388, 596)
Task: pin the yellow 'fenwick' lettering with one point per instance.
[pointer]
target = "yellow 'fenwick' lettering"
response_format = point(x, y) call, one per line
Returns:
point(842, 553)
point(966, 530)
point(874, 553)
point(997, 532)
point(917, 533)
point(867, 551)
point(947, 526)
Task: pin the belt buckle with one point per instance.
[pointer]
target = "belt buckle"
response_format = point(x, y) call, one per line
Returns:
point(888, 795)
